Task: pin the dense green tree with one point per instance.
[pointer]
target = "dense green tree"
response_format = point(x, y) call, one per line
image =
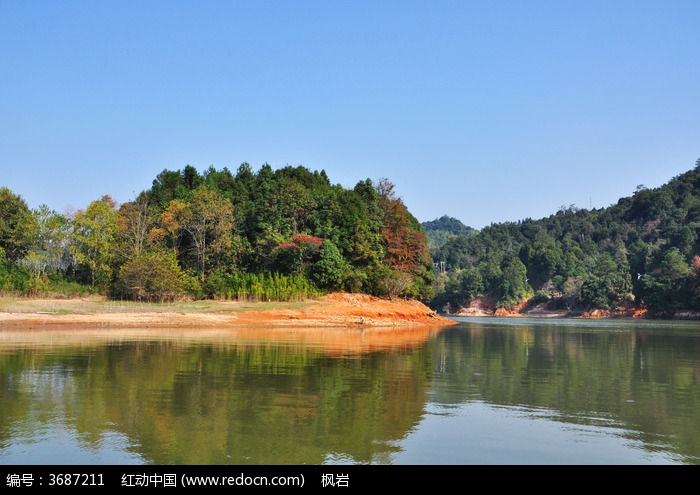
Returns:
point(471, 283)
point(95, 233)
point(166, 187)
point(16, 225)
point(330, 270)
point(666, 286)
point(513, 287)
point(152, 276)
point(543, 257)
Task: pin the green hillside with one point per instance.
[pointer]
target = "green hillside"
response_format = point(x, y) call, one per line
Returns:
point(642, 251)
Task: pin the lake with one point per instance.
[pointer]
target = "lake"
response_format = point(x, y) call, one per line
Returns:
point(485, 391)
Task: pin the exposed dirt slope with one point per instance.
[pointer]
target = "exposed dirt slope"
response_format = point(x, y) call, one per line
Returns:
point(339, 309)
point(487, 307)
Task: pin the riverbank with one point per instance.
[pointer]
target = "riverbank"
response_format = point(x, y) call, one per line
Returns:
point(333, 310)
point(485, 307)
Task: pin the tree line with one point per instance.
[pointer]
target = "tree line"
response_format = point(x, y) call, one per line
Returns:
point(643, 252)
point(261, 235)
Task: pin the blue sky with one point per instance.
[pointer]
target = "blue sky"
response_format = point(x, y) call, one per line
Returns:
point(486, 111)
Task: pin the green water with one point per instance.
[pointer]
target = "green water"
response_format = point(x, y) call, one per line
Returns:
point(486, 391)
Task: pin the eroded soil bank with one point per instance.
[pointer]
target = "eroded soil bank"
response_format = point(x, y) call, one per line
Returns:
point(338, 309)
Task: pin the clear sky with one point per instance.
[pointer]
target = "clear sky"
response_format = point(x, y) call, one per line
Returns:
point(486, 111)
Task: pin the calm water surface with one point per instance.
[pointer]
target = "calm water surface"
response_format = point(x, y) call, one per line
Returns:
point(486, 391)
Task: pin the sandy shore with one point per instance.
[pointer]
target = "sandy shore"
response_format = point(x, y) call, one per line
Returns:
point(333, 310)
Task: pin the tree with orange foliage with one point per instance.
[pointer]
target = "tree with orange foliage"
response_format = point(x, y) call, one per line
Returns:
point(405, 241)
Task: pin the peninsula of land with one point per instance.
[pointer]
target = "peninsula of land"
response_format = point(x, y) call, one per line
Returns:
point(332, 310)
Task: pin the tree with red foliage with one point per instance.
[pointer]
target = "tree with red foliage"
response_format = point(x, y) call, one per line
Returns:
point(298, 253)
point(405, 241)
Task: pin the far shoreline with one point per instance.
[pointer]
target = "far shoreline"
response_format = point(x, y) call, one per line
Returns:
point(681, 315)
point(486, 307)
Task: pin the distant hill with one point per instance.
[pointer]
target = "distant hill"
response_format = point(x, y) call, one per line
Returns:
point(442, 229)
point(642, 252)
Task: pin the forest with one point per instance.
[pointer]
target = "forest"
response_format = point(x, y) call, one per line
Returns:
point(290, 233)
point(269, 234)
point(642, 252)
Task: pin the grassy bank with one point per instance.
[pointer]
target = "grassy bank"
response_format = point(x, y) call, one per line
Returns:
point(93, 305)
